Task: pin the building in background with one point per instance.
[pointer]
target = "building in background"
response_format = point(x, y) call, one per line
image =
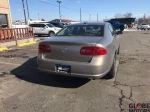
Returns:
point(5, 14)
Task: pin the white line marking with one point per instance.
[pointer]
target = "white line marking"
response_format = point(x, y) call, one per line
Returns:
point(16, 64)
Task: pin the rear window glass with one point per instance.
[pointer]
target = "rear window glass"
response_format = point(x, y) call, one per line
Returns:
point(144, 24)
point(82, 30)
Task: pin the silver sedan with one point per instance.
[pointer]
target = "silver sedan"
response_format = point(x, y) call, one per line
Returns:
point(85, 50)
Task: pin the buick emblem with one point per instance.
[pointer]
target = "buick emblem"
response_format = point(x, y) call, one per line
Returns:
point(64, 49)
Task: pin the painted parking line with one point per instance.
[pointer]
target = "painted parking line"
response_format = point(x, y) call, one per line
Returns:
point(16, 64)
point(3, 48)
point(116, 70)
point(23, 49)
point(117, 66)
point(26, 44)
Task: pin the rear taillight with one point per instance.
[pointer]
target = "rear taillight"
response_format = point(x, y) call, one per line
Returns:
point(44, 48)
point(93, 51)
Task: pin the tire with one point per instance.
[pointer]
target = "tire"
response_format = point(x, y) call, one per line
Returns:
point(121, 28)
point(51, 33)
point(112, 72)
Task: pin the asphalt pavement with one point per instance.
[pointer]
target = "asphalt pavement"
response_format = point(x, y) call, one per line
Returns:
point(25, 89)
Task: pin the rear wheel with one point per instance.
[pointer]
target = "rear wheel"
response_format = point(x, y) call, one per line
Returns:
point(121, 28)
point(112, 72)
point(51, 33)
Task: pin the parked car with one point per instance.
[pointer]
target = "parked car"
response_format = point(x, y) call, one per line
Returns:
point(130, 25)
point(139, 27)
point(44, 29)
point(59, 24)
point(82, 50)
point(118, 25)
point(143, 27)
point(65, 23)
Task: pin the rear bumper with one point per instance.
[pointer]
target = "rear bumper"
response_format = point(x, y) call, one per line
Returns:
point(146, 27)
point(96, 76)
point(78, 69)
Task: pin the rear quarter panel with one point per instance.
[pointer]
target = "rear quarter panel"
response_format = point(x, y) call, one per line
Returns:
point(111, 44)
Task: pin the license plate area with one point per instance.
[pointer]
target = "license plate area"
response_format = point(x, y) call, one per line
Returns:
point(63, 68)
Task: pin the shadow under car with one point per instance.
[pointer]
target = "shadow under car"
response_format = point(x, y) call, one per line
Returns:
point(30, 73)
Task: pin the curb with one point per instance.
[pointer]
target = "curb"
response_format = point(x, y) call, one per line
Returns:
point(26, 44)
point(3, 48)
point(20, 45)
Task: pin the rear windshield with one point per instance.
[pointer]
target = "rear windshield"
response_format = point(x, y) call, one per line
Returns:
point(82, 30)
point(144, 24)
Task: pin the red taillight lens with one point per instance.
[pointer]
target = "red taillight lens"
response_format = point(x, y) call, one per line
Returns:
point(93, 51)
point(44, 48)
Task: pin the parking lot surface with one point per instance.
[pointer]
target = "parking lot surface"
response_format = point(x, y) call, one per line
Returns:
point(25, 89)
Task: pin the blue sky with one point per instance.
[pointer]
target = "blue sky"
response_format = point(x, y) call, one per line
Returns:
point(70, 8)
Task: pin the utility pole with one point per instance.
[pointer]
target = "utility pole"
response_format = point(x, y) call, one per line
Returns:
point(59, 1)
point(38, 16)
point(144, 17)
point(27, 9)
point(24, 12)
point(97, 17)
point(90, 17)
point(80, 15)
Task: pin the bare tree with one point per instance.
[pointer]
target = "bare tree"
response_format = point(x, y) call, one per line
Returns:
point(128, 15)
point(141, 20)
point(144, 19)
point(118, 15)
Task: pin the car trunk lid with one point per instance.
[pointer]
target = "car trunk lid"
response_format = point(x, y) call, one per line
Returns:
point(68, 48)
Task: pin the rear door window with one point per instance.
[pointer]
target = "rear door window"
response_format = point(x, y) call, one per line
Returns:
point(34, 25)
point(42, 25)
point(31, 25)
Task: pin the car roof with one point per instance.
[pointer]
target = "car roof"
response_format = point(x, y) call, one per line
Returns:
point(90, 23)
point(41, 23)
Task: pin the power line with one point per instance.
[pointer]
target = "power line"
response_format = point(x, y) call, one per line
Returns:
point(48, 3)
point(62, 6)
point(41, 9)
point(89, 17)
point(80, 15)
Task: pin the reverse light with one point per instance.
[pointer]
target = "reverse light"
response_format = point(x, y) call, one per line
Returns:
point(44, 48)
point(93, 51)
